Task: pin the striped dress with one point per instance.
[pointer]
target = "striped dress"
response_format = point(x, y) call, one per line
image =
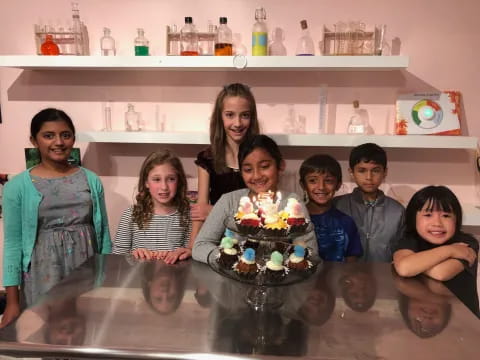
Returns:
point(163, 232)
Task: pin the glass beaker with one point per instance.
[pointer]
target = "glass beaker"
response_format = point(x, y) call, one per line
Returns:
point(379, 38)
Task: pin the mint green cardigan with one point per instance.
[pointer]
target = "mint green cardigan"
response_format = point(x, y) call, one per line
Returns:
point(21, 201)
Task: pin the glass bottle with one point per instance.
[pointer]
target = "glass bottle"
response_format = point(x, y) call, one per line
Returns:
point(77, 30)
point(223, 40)
point(357, 124)
point(277, 48)
point(132, 119)
point(188, 38)
point(238, 47)
point(107, 43)
point(305, 45)
point(260, 34)
point(141, 43)
point(107, 116)
point(49, 47)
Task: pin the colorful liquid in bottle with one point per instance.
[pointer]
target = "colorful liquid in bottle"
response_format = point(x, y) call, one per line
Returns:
point(223, 49)
point(259, 43)
point(49, 47)
point(189, 53)
point(141, 50)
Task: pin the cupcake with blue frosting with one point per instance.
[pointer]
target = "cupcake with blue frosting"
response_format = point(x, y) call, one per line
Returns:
point(297, 260)
point(247, 266)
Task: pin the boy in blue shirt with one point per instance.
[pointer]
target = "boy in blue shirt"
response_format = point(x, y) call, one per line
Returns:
point(337, 235)
point(379, 218)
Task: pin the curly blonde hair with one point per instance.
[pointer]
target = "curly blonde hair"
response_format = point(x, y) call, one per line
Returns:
point(143, 207)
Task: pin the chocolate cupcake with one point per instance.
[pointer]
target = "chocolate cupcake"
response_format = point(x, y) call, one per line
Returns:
point(251, 243)
point(297, 261)
point(228, 254)
point(247, 266)
point(250, 224)
point(274, 270)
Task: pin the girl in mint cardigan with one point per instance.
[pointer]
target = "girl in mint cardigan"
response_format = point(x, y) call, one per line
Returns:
point(54, 216)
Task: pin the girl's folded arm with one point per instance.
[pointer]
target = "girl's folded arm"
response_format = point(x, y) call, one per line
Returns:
point(409, 263)
point(445, 270)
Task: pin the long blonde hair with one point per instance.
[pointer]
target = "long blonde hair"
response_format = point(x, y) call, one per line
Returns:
point(143, 208)
point(218, 136)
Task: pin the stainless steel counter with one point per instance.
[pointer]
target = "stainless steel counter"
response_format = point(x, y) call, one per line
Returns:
point(113, 307)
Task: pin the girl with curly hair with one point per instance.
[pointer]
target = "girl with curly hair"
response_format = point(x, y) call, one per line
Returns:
point(158, 225)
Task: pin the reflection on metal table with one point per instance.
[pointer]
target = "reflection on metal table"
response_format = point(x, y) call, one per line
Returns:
point(113, 307)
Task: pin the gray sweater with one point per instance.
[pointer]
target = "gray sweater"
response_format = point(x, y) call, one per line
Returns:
point(381, 224)
point(222, 214)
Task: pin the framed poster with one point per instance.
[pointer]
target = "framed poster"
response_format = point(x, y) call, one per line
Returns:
point(32, 157)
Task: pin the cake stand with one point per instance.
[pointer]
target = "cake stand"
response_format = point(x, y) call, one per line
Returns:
point(264, 292)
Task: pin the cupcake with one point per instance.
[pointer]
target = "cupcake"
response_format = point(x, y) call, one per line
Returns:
point(274, 269)
point(249, 224)
point(302, 244)
point(295, 216)
point(296, 261)
point(251, 243)
point(246, 266)
point(275, 226)
point(281, 246)
point(245, 207)
point(229, 233)
point(228, 254)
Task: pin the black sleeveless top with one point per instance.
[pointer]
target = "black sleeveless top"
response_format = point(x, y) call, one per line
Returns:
point(220, 184)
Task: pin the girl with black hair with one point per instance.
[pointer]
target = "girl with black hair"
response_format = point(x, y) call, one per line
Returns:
point(434, 243)
point(261, 164)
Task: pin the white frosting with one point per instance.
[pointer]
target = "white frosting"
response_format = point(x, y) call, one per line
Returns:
point(248, 262)
point(294, 209)
point(272, 266)
point(246, 205)
point(250, 216)
point(272, 218)
point(231, 251)
point(295, 259)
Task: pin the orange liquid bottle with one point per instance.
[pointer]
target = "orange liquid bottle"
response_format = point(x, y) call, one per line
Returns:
point(223, 41)
point(189, 39)
point(49, 47)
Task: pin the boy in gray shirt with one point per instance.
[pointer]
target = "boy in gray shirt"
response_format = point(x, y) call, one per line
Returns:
point(379, 218)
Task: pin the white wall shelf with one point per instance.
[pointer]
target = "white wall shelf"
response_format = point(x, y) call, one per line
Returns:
point(337, 140)
point(207, 63)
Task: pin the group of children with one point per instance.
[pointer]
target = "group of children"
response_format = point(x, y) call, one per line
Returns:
point(55, 215)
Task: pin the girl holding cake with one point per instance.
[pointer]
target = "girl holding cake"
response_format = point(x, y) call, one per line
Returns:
point(158, 225)
point(261, 164)
point(234, 119)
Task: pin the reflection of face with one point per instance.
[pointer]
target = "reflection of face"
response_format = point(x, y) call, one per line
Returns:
point(315, 305)
point(236, 117)
point(260, 171)
point(359, 290)
point(163, 293)
point(368, 176)
point(54, 141)
point(435, 226)
point(162, 184)
point(426, 318)
point(66, 331)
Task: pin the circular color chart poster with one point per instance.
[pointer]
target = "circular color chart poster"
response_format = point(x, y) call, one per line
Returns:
point(427, 114)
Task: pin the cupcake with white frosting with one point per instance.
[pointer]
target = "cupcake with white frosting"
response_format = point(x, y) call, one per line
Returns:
point(275, 271)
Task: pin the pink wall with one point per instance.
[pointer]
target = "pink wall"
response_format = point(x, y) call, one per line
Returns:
point(441, 37)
